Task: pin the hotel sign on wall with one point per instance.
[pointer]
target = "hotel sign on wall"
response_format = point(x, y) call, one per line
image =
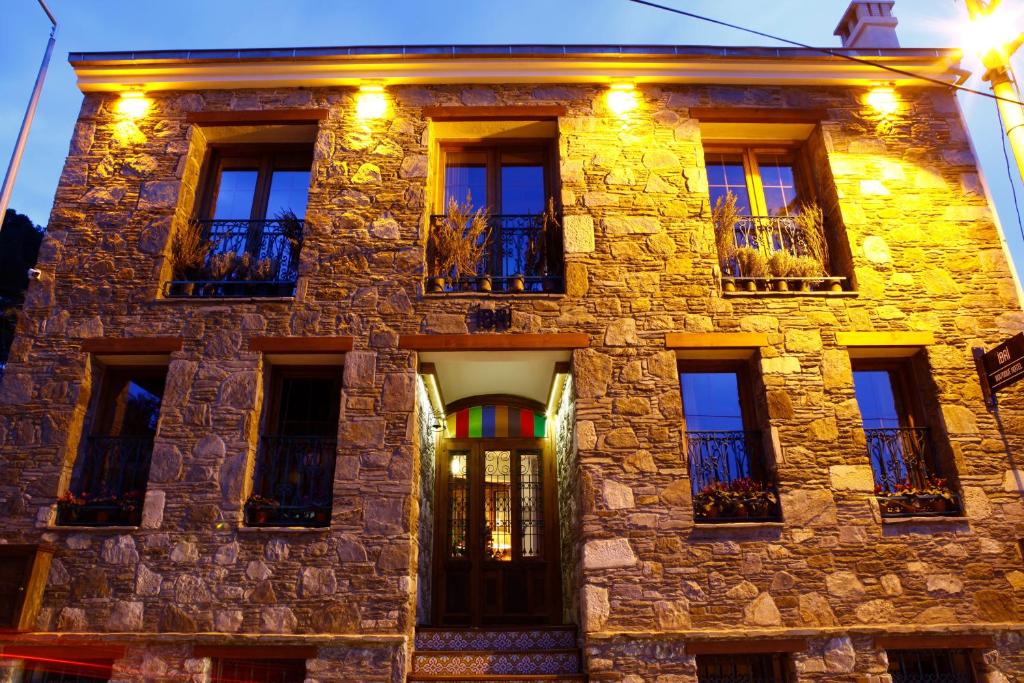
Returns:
point(1004, 365)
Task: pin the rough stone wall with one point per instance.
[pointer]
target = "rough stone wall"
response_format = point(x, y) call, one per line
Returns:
point(427, 443)
point(567, 469)
point(640, 262)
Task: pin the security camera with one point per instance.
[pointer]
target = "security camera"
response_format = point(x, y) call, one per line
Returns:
point(34, 273)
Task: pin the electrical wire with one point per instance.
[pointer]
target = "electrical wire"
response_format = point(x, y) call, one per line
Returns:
point(827, 51)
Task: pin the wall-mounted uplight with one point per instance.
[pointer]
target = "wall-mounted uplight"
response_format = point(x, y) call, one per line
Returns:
point(622, 97)
point(133, 104)
point(371, 102)
point(883, 100)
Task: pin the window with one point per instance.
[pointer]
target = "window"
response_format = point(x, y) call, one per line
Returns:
point(724, 448)
point(514, 184)
point(231, 670)
point(294, 476)
point(778, 232)
point(23, 572)
point(738, 668)
point(930, 666)
point(250, 226)
point(907, 479)
point(108, 482)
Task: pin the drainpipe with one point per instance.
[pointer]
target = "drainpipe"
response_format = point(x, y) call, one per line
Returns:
point(26, 123)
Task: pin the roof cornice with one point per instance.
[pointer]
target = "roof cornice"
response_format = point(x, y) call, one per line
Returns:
point(309, 67)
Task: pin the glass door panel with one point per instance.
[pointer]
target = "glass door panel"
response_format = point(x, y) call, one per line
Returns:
point(236, 191)
point(531, 502)
point(497, 488)
point(465, 175)
point(458, 506)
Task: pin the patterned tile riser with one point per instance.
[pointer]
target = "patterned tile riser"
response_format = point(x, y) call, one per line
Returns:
point(497, 662)
point(495, 640)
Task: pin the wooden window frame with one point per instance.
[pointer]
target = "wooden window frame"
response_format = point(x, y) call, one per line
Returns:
point(744, 385)
point(113, 378)
point(909, 406)
point(264, 158)
point(752, 173)
point(277, 376)
point(35, 570)
point(493, 148)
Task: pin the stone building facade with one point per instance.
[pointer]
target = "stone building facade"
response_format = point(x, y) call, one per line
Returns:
point(831, 589)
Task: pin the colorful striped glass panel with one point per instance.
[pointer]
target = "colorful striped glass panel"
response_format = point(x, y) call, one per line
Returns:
point(496, 422)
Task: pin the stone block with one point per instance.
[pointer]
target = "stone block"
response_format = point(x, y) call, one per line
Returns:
point(578, 234)
point(595, 607)
point(125, 616)
point(762, 612)
point(360, 369)
point(608, 554)
point(852, 477)
point(592, 372)
point(120, 550)
point(278, 620)
point(153, 509)
point(621, 332)
point(631, 225)
point(159, 195)
point(617, 496)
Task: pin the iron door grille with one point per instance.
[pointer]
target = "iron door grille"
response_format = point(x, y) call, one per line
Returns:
point(930, 666)
point(227, 670)
point(739, 668)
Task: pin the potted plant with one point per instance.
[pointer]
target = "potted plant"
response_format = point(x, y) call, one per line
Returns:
point(723, 216)
point(546, 252)
point(189, 252)
point(932, 496)
point(738, 499)
point(750, 263)
point(69, 507)
point(459, 242)
point(780, 265)
point(259, 509)
point(806, 268)
point(814, 259)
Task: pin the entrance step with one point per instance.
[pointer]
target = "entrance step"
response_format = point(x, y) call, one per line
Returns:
point(497, 655)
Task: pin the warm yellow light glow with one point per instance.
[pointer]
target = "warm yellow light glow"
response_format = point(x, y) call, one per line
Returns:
point(371, 102)
point(459, 467)
point(133, 104)
point(994, 30)
point(883, 100)
point(622, 98)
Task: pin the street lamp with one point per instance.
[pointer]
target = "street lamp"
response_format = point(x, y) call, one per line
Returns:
point(995, 39)
point(26, 123)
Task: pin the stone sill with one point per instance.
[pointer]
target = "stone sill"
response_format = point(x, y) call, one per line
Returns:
point(224, 299)
point(95, 529)
point(952, 520)
point(755, 295)
point(496, 296)
point(710, 526)
point(283, 529)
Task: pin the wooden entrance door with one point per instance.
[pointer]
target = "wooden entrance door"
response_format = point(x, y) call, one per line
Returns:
point(496, 534)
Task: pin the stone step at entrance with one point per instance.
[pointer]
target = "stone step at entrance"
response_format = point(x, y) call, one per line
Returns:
point(497, 655)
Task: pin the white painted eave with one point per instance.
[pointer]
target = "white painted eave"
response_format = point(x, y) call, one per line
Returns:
point(156, 75)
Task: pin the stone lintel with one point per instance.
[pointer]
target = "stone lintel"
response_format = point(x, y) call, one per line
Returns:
point(715, 345)
point(301, 344)
point(256, 651)
point(521, 113)
point(887, 344)
point(494, 342)
point(745, 645)
point(757, 114)
point(132, 345)
point(934, 641)
point(256, 117)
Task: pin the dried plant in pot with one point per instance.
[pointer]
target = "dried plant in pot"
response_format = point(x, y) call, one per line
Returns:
point(810, 222)
point(780, 266)
point(750, 263)
point(459, 242)
point(189, 253)
point(724, 216)
point(806, 268)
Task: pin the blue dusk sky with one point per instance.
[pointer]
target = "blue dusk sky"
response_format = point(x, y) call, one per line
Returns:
point(105, 25)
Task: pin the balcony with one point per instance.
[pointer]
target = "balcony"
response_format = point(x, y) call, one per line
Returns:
point(239, 258)
point(775, 253)
point(521, 253)
point(905, 483)
point(111, 486)
point(294, 482)
point(729, 482)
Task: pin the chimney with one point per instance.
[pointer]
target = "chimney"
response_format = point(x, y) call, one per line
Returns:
point(868, 24)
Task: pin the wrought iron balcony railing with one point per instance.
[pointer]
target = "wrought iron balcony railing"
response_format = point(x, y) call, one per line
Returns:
point(524, 253)
point(930, 666)
point(729, 477)
point(109, 487)
point(294, 482)
point(247, 258)
point(906, 483)
point(767, 235)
